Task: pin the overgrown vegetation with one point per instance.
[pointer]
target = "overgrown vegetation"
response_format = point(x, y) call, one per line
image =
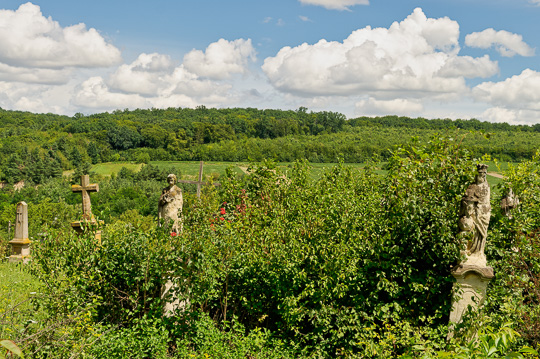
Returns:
point(353, 264)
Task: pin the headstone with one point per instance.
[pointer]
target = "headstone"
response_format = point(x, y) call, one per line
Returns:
point(20, 242)
point(170, 205)
point(472, 274)
point(88, 219)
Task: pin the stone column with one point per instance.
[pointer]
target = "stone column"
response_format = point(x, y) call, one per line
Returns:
point(20, 243)
point(469, 291)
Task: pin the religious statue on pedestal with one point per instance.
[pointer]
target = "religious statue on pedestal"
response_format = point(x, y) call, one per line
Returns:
point(170, 205)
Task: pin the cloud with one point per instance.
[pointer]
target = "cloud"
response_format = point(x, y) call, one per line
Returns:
point(94, 93)
point(28, 39)
point(535, 2)
point(519, 91)
point(414, 58)
point(515, 100)
point(399, 106)
point(146, 75)
point(335, 4)
point(153, 80)
point(469, 67)
point(305, 18)
point(33, 75)
point(506, 43)
point(221, 59)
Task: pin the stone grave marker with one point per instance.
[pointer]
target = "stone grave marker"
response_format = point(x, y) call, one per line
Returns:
point(88, 219)
point(200, 182)
point(20, 242)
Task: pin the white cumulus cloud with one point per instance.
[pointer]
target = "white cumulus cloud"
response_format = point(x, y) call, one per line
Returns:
point(28, 39)
point(515, 100)
point(335, 4)
point(469, 67)
point(154, 80)
point(94, 93)
point(519, 91)
point(506, 43)
point(399, 106)
point(416, 57)
point(221, 59)
point(146, 75)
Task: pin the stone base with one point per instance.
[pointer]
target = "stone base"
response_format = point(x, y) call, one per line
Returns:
point(469, 290)
point(21, 250)
point(82, 226)
point(174, 304)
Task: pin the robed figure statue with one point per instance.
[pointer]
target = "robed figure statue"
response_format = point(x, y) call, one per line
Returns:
point(475, 212)
point(170, 205)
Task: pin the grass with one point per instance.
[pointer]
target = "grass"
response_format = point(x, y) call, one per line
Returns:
point(17, 287)
point(189, 170)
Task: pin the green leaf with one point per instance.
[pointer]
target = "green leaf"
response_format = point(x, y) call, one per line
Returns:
point(11, 347)
point(529, 350)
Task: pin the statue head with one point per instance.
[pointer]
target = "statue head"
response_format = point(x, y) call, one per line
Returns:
point(482, 172)
point(171, 179)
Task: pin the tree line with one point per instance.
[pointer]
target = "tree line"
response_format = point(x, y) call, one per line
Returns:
point(35, 147)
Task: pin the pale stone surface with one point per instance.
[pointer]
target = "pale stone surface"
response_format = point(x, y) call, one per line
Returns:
point(21, 243)
point(509, 202)
point(85, 188)
point(174, 304)
point(170, 205)
point(475, 213)
point(88, 218)
point(472, 274)
point(469, 291)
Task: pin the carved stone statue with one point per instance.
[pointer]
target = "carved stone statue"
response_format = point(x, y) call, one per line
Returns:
point(474, 215)
point(170, 205)
point(509, 202)
point(472, 274)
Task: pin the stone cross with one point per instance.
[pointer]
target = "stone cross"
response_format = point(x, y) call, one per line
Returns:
point(20, 242)
point(200, 182)
point(85, 188)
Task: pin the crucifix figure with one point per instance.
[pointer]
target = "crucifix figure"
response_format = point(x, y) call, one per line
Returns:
point(85, 188)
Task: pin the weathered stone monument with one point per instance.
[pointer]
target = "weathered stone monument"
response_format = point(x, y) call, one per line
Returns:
point(509, 203)
point(20, 242)
point(88, 219)
point(472, 274)
point(170, 205)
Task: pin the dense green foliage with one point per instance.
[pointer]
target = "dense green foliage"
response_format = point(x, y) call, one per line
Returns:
point(35, 147)
point(274, 265)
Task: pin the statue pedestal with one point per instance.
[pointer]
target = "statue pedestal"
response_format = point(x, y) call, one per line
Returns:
point(469, 292)
point(84, 226)
point(21, 250)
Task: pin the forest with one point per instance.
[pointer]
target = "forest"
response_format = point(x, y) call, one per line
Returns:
point(34, 147)
point(273, 263)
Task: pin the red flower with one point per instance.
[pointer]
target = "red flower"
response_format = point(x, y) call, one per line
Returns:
point(222, 210)
point(173, 234)
point(222, 218)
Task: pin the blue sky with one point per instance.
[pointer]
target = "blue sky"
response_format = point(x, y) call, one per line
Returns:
point(429, 58)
